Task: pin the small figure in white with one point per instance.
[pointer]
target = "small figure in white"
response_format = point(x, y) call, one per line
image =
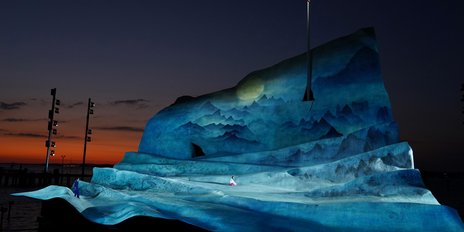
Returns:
point(232, 181)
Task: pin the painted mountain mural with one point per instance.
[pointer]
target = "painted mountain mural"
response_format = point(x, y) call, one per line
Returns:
point(332, 164)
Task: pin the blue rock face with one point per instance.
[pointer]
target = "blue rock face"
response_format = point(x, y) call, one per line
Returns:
point(265, 110)
point(334, 164)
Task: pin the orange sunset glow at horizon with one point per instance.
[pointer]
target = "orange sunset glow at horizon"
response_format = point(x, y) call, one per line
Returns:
point(117, 127)
point(32, 150)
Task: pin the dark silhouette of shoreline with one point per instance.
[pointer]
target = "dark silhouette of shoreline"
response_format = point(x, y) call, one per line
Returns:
point(33, 175)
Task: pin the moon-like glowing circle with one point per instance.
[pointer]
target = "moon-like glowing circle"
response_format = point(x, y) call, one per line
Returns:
point(250, 89)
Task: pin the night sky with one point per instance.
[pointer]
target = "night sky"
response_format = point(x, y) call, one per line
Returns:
point(135, 57)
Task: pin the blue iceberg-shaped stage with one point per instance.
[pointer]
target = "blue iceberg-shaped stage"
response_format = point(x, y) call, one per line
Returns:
point(333, 164)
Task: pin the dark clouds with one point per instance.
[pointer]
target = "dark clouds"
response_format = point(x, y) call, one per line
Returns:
point(68, 137)
point(22, 119)
point(73, 105)
point(36, 135)
point(121, 128)
point(138, 103)
point(28, 135)
point(11, 106)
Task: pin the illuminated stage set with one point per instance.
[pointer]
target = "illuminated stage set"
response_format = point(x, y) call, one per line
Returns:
point(334, 163)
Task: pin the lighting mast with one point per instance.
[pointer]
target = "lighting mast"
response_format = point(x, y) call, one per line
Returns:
point(51, 130)
point(309, 96)
point(88, 132)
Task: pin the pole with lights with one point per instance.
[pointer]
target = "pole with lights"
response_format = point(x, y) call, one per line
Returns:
point(88, 132)
point(52, 123)
point(309, 96)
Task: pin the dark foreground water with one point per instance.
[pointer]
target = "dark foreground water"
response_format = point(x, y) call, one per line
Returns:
point(28, 214)
point(24, 212)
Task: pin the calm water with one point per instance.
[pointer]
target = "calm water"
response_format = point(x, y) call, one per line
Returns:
point(23, 212)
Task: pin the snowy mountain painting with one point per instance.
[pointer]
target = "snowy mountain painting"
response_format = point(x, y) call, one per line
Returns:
point(333, 164)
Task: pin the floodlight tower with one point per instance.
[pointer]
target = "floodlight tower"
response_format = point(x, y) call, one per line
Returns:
point(88, 132)
point(51, 130)
point(309, 96)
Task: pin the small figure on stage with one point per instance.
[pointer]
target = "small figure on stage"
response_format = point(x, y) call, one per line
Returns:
point(75, 188)
point(232, 181)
